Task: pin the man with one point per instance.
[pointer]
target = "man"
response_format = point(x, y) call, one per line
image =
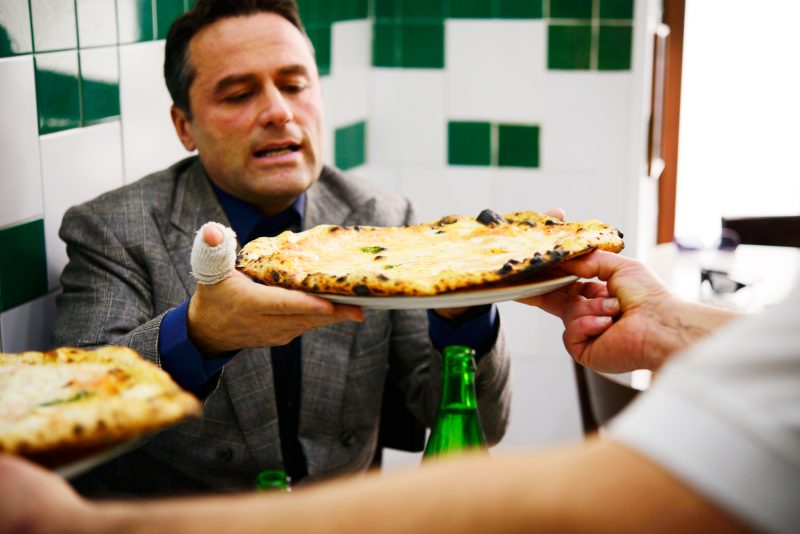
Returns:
point(713, 446)
point(288, 380)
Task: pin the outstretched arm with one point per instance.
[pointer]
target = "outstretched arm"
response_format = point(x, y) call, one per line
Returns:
point(628, 320)
point(599, 486)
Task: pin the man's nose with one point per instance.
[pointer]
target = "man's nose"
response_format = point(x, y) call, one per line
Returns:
point(275, 110)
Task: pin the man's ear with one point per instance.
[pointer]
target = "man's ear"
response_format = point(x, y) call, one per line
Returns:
point(182, 127)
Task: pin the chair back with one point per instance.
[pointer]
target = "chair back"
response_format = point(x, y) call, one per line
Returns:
point(780, 231)
point(600, 399)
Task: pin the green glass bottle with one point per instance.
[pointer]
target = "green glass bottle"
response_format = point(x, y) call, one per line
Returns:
point(273, 481)
point(457, 426)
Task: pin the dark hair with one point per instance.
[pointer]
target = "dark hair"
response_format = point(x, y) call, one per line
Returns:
point(178, 70)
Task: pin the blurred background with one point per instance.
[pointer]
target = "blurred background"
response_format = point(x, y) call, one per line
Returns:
point(460, 105)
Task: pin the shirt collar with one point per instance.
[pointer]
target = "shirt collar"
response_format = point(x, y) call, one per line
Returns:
point(248, 222)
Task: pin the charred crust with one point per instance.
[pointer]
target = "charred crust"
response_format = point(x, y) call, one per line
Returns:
point(275, 276)
point(506, 268)
point(620, 234)
point(537, 259)
point(513, 261)
point(357, 228)
point(532, 224)
point(334, 229)
point(447, 219)
point(383, 278)
point(489, 218)
point(361, 290)
point(550, 222)
point(341, 279)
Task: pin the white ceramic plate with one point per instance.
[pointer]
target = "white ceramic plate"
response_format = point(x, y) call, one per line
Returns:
point(455, 299)
point(80, 466)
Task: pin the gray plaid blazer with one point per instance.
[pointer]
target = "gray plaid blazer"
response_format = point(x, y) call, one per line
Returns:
point(129, 263)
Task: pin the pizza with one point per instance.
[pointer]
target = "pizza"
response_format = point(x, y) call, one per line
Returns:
point(455, 252)
point(60, 405)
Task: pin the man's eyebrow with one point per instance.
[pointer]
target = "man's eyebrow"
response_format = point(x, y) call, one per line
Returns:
point(293, 69)
point(233, 79)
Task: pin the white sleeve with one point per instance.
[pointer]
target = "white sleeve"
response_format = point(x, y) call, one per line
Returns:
point(725, 418)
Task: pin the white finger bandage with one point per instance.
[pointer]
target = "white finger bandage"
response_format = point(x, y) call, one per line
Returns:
point(212, 264)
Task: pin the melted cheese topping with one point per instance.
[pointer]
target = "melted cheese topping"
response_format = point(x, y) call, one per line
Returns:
point(27, 389)
point(423, 254)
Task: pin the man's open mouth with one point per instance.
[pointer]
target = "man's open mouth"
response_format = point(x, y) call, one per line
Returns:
point(278, 150)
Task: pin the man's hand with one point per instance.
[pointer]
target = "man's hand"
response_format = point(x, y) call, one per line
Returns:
point(238, 313)
point(629, 322)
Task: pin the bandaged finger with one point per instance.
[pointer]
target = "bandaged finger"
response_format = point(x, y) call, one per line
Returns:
point(212, 264)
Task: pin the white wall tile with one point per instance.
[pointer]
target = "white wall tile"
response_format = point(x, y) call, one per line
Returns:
point(29, 326)
point(533, 335)
point(438, 191)
point(346, 88)
point(496, 70)
point(520, 189)
point(544, 406)
point(20, 173)
point(149, 140)
point(407, 123)
point(386, 175)
point(77, 165)
point(587, 121)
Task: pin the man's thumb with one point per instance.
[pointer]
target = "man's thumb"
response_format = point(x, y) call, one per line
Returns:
point(213, 253)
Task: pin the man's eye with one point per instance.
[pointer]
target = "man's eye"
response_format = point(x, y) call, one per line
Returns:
point(238, 97)
point(293, 88)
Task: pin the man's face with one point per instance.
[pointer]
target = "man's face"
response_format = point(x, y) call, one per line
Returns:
point(256, 109)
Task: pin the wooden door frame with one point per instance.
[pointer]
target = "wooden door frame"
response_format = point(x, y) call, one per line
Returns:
point(673, 16)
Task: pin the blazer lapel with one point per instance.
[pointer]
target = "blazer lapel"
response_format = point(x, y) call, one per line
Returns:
point(248, 377)
point(326, 351)
point(194, 205)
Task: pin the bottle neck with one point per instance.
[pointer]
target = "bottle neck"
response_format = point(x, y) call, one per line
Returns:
point(458, 380)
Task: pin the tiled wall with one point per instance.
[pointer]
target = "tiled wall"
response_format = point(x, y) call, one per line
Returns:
point(459, 104)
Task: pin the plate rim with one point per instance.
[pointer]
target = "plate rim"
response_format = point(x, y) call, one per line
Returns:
point(450, 299)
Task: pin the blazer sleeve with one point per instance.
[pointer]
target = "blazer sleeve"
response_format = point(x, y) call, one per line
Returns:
point(106, 294)
point(415, 367)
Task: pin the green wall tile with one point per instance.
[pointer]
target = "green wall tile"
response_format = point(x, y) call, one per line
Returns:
point(350, 9)
point(520, 9)
point(321, 37)
point(57, 91)
point(54, 26)
point(571, 9)
point(616, 9)
point(99, 84)
point(15, 28)
point(470, 9)
point(517, 145)
point(569, 47)
point(614, 49)
point(414, 10)
point(422, 46)
point(166, 12)
point(135, 20)
point(305, 9)
point(385, 49)
point(469, 143)
point(350, 146)
point(97, 23)
point(25, 278)
point(386, 8)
